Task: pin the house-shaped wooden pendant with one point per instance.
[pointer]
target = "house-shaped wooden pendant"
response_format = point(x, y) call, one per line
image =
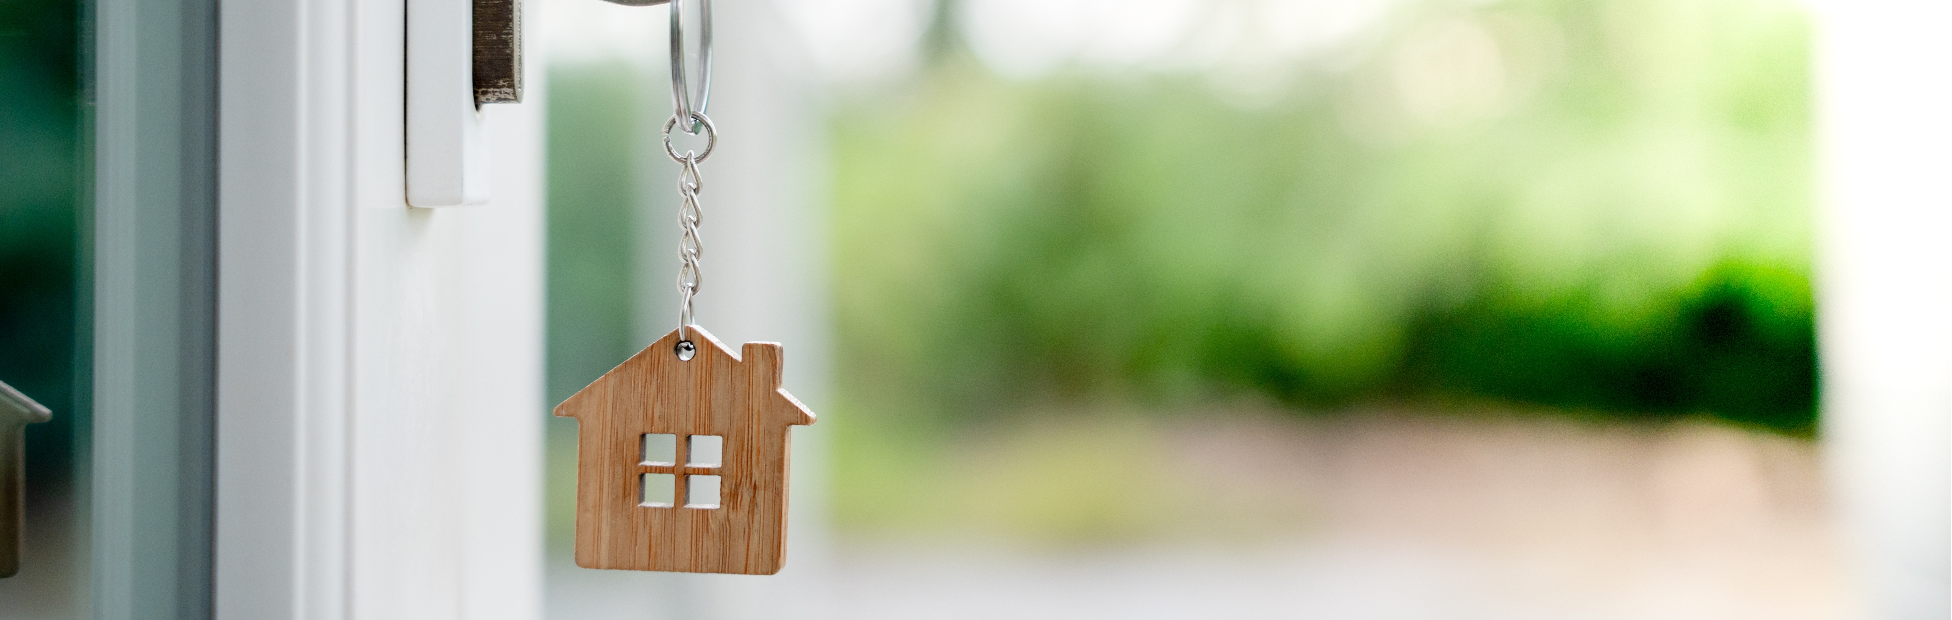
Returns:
point(681, 463)
point(16, 412)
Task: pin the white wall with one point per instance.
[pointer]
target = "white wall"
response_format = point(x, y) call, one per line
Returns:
point(1885, 292)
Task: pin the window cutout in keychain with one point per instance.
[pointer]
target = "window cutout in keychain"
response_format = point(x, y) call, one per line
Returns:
point(660, 449)
point(701, 492)
point(658, 490)
point(705, 450)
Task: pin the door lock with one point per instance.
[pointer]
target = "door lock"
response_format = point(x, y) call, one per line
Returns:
point(497, 51)
point(461, 55)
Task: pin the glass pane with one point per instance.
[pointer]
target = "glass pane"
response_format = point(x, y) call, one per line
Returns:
point(41, 299)
point(107, 230)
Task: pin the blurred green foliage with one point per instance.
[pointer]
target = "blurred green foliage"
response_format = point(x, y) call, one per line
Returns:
point(1618, 222)
point(593, 193)
point(595, 168)
point(40, 139)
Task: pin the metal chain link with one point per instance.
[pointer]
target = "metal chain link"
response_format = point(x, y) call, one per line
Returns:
point(690, 246)
point(690, 215)
point(689, 111)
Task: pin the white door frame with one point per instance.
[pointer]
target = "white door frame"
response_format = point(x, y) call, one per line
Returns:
point(379, 367)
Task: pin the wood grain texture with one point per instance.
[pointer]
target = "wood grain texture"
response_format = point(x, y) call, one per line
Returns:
point(737, 397)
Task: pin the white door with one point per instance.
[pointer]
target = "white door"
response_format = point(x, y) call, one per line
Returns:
point(379, 366)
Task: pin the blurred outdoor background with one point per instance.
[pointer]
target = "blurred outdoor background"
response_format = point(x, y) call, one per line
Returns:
point(1182, 308)
point(1249, 308)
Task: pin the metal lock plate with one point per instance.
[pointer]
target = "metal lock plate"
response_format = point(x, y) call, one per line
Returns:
point(497, 51)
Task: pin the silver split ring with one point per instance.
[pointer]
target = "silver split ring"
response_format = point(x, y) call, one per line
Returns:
point(681, 95)
point(698, 120)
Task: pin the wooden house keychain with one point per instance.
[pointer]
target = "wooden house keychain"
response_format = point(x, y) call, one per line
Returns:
point(681, 451)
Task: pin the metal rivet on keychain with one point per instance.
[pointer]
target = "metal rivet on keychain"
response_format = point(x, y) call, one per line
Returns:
point(716, 501)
